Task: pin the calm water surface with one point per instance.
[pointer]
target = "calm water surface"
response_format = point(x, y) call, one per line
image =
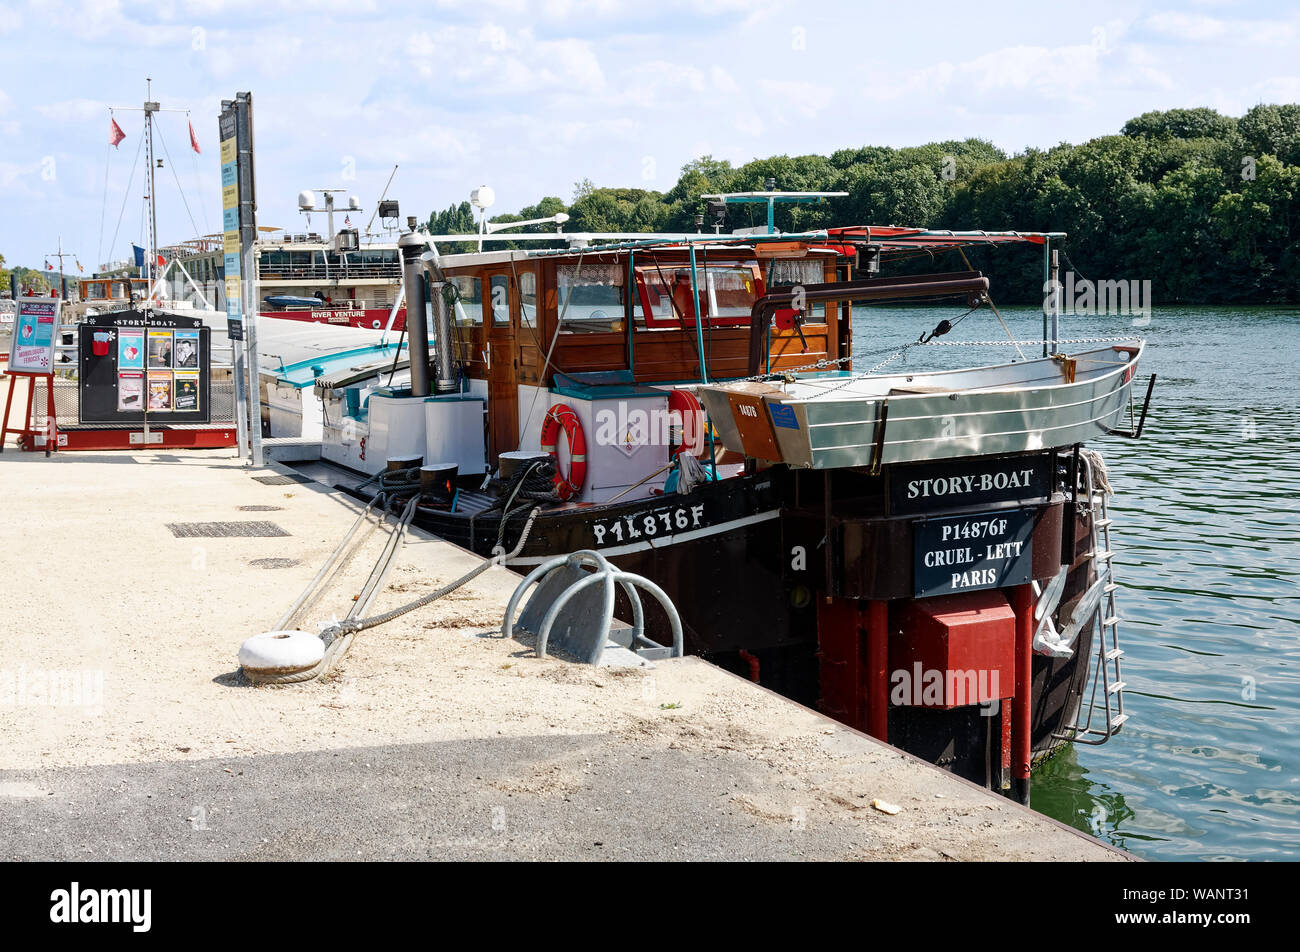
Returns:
point(1207, 535)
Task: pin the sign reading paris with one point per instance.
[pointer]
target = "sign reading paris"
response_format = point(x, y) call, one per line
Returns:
point(973, 552)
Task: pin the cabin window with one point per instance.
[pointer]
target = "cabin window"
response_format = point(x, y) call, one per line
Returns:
point(590, 298)
point(528, 299)
point(468, 309)
point(499, 289)
point(790, 272)
point(727, 293)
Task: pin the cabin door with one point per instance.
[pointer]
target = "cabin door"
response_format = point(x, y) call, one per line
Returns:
point(503, 370)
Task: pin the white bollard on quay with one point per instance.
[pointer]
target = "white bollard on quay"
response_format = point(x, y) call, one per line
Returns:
point(275, 653)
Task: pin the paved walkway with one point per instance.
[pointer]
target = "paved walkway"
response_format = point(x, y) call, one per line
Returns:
point(126, 733)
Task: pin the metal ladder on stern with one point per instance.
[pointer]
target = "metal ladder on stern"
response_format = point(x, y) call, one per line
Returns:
point(1105, 701)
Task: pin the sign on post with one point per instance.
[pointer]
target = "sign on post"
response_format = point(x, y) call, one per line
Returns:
point(239, 231)
point(230, 223)
point(35, 327)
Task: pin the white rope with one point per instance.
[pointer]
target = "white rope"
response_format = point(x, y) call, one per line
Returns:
point(198, 182)
point(184, 200)
point(1027, 343)
point(126, 195)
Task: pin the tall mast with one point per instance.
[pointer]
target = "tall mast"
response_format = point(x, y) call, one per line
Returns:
point(63, 281)
point(150, 108)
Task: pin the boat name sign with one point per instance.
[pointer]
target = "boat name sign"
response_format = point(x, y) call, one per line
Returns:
point(929, 486)
point(973, 552)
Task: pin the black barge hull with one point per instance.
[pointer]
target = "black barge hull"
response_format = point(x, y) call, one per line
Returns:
point(749, 560)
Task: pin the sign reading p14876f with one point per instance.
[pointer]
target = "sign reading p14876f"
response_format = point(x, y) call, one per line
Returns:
point(969, 553)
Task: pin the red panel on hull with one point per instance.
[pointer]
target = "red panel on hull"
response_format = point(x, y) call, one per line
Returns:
point(960, 648)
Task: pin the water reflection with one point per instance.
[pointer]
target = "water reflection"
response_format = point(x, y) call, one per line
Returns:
point(1207, 535)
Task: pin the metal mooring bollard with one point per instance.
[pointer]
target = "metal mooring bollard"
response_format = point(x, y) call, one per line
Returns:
point(573, 609)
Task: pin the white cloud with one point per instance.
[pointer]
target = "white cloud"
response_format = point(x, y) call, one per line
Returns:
point(1200, 28)
point(1194, 27)
point(74, 110)
point(794, 100)
point(1279, 89)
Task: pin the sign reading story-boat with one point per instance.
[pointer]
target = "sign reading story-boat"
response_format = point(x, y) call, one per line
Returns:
point(930, 486)
point(972, 552)
point(133, 363)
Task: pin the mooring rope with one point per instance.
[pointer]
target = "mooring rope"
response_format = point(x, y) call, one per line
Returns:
point(1027, 343)
point(338, 636)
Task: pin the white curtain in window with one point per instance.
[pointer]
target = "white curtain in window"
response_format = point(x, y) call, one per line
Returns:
point(590, 273)
point(732, 279)
point(795, 271)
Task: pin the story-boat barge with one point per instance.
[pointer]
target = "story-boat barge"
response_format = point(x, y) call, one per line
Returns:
point(924, 556)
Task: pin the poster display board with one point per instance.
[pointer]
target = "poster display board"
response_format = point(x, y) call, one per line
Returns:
point(35, 326)
point(236, 199)
point(132, 362)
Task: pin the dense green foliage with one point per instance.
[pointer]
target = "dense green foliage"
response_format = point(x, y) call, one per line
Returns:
point(1203, 205)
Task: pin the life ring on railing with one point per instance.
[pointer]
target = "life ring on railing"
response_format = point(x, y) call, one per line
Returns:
point(562, 417)
point(691, 414)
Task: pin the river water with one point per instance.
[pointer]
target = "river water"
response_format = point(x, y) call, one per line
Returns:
point(1207, 536)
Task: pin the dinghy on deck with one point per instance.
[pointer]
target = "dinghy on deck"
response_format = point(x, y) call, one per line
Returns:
point(846, 420)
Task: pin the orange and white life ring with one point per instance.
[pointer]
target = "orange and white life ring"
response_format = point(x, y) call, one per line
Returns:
point(691, 415)
point(562, 417)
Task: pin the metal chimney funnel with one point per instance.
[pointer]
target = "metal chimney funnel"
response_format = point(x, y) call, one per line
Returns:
point(411, 247)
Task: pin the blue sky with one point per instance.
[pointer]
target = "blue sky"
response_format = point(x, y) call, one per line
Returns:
point(531, 97)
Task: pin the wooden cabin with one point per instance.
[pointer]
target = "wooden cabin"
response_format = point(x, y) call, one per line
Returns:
point(631, 313)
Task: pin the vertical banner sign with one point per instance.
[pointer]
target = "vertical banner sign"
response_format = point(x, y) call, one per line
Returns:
point(239, 227)
point(230, 222)
point(32, 349)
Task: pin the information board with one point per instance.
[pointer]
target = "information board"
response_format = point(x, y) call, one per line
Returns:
point(35, 327)
point(131, 362)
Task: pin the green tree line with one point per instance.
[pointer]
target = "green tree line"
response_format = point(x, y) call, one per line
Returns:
point(1203, 205)
point(27, 277)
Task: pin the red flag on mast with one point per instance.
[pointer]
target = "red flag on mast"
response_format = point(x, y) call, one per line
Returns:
point(115, 133)
point(194, 141)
